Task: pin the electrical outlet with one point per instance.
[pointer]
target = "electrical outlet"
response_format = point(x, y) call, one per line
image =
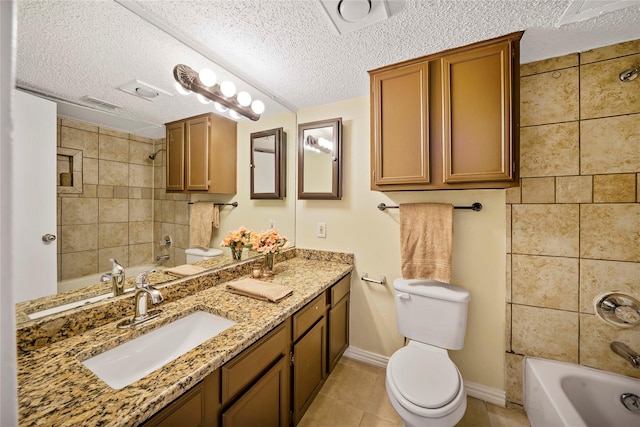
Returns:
point(321, 231)
point(272, 223)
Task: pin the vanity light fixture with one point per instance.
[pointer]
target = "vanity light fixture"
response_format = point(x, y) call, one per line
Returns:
point(224, 95)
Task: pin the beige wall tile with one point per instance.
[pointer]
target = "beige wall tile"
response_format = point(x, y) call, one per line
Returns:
point(566, 61)
point(78, 237)
point(610, 232)
point(545, 230)
point(120, 253)
point(79, 211)
point(78, 125)
point(157, 210)
point(549, 97)
point(113, 235)
point(574, 189)
point(113, 173)
point(550, 150)
point(89, 190)
point(168, 210)
point(513, 194)
point(508, 226)
point(140, 232)
point(77, 264)
point(120, 192)
point(140, 176)
point(507, 328)
point(538, 190)
point(596, 337)
point(105, 191)
point(140, 254)
point(181, 236)
point(80, 140)
point(89, 171)
point(610, 145)
point(135, 193)
point(550, 282)
point(181, 213)
point(113, 210)
point(113, 132)
point(598, 277)
point(138, 138)
point(514, 377)
point(602, 94)
point(545, 332)
point(608, 52)
point(112, 148)
point(139, 153)
point(619, 188)
point(140, 210)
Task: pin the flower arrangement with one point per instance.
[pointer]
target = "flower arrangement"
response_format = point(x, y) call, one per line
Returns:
point(238, 239)
point(269, 241)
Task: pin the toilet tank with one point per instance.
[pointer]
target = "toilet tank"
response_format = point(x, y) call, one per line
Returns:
point(198, 254)
point(431, 312)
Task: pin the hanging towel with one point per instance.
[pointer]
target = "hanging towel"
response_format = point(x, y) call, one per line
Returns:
point(426, 241)
point(216, 216)
point(260, 290)
point(201, 221)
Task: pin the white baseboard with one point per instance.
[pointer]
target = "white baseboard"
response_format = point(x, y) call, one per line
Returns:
point(488, 394)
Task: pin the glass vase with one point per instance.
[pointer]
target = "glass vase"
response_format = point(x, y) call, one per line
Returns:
point(236, 252)
point(268, 263)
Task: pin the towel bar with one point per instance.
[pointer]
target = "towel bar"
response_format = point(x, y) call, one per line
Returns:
point(382, 281)
point(234, 204)
point(476, 207)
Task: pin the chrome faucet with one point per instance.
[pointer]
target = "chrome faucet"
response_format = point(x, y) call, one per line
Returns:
point(624, 351)
point(144, 293)
point(116, 277)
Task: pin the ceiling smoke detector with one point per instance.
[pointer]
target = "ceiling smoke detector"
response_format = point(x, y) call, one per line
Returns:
point(144, 90)
point(350, 15)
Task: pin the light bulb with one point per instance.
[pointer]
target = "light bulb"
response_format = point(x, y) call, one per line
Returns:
point(234, 115)
point(220, 107)
point(207, 77)
point(203, 99)
point(244, 99)
point(257, 106)
point(227, 88)
point(181, 89)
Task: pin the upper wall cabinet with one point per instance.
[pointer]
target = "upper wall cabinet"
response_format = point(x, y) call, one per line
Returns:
point(201, 155)
point(448, 120)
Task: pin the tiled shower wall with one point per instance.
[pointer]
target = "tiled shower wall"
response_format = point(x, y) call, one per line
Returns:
point(113, 216)
point(573, 226)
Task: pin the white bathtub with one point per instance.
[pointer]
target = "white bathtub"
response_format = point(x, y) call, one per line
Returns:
point(569, 395)
point(94, 279)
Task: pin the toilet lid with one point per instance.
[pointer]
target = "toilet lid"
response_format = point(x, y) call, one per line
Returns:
point(425, 378)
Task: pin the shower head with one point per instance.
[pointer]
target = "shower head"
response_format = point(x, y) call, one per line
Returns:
point(153, 156)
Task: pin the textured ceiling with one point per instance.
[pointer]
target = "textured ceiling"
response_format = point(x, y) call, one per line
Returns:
point(286, 52)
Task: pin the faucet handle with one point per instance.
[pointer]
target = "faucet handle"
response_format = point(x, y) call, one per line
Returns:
point(142, 280)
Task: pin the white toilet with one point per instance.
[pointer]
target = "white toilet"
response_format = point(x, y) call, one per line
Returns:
point(199, 254)
point(423, 384)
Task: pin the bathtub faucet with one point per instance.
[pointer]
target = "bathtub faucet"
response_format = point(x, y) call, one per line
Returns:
point(116, 278)
point(624, 351)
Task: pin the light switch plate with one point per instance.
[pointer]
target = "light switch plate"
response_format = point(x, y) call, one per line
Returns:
point(321, 231)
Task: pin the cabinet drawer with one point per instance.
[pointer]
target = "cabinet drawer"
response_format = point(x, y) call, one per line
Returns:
point(246, 367)
point(340, 289)
point(308, 315)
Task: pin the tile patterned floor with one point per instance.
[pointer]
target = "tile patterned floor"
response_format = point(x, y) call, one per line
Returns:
point(354, 395)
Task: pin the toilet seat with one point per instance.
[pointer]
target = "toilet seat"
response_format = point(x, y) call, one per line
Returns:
point(424, 376)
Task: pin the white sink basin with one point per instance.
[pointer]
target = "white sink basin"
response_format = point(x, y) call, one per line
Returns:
point(137, 358)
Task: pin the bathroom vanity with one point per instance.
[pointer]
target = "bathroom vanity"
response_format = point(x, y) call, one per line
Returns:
point(269, 365)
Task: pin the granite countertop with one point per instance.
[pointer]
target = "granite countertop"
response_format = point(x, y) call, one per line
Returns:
point(54, 388)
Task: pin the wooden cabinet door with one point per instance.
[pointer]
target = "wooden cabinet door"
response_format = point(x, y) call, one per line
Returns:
point(400, 126)
point(175, 156)
point(197, 154)
point(477, 114)
point(309, 368)
point(338, 331)
point(265, 404)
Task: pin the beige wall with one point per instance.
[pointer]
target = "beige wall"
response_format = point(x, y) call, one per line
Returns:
point(112, 217)
point(574, 224)
point(354, 224)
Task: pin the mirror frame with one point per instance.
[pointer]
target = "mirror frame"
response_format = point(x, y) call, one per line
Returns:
point(280, 170)
point(336, 174)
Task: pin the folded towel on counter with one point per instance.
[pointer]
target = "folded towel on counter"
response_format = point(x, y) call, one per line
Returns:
point(426, 241)
point(184, 270)
point(202, 216)
point(258, 289)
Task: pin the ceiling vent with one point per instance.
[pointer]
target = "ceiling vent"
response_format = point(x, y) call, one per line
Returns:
point(350, 15)
point(144, 90)
point(581, 10)
point(100, 102)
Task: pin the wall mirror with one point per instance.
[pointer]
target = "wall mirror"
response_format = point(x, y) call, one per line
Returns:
point(268, 164)
point(320, 160)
